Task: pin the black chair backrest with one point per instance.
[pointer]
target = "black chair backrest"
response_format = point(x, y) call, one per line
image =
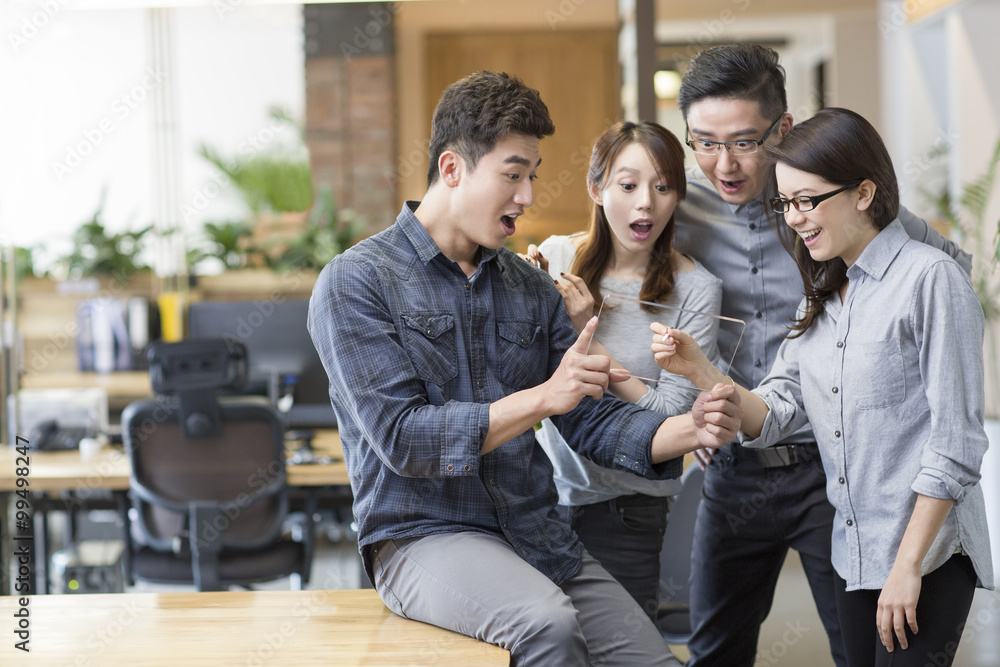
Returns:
point(236, 461)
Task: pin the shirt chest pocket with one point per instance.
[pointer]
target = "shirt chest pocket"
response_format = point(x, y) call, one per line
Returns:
point(429, 339)
point(522, 365)
point(875, 375)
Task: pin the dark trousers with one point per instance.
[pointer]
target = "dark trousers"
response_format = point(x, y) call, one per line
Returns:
point(942, 608)
point(625, 535)
point(748, 518)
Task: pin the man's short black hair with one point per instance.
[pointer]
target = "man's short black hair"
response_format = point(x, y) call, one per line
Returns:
point(736, 71)
point(476, 112)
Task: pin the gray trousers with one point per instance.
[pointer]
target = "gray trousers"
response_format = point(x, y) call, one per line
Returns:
point(475, 584)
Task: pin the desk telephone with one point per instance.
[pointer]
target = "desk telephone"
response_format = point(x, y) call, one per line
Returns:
point(50, 436)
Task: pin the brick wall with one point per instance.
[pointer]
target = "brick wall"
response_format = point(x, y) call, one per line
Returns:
point(351, 107)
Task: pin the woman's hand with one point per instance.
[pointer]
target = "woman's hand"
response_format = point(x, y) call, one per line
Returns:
point(535, 256)
point(703, 457)
point(579, 301)
point(897, 605)
point(677, 352)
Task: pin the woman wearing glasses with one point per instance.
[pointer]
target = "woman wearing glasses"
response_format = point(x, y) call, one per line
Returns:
point(635, 179)
point(885, 358)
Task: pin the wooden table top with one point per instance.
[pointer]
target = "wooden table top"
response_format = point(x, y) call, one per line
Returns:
point(120, 384)
point(110, 468)
point(280, 628)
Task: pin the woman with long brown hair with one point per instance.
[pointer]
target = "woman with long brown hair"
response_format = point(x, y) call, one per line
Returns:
point(635, 179)
point(885, 361)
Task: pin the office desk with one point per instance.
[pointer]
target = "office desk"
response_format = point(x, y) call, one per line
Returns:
point(110, 469)
point(286, 628)
point(120, 384)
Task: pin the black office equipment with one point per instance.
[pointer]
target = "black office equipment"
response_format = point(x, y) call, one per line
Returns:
point(283, 361)
point(49, 435)
point(208, 483)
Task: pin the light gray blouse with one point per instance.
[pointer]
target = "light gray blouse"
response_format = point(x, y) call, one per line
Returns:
point(892, 382)
point(626, 335)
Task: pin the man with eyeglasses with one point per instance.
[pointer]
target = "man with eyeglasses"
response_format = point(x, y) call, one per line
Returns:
point(756, 503)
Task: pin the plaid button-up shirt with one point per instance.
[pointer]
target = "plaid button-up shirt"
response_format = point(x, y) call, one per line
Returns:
point(416, 351)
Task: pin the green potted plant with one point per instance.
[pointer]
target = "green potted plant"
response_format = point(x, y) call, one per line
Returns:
point(328, 232)
point(110, 256)
point(224, 242)
point(275, 184)
point(24, 264)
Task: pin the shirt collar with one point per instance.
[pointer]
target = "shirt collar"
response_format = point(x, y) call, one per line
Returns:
point(417, 234)
point(423, 244)
point(878, 255)
point(756, 206)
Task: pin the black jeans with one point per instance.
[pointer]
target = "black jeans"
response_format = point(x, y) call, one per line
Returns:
point(625, 535)
point(942, 608)
point(748, 518)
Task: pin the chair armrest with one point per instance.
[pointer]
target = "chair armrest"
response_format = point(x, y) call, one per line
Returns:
point(309, 533)
point(206, 543)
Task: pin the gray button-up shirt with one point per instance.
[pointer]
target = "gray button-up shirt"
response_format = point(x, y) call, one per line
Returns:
point(760, 281)
point(892, 382)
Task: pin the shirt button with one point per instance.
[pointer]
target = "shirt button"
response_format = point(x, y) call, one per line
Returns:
point(850, 523)
point(524, 341)
point(450, 467)
point(840, 343)
point(758, 314)
point(757, 363)
point(428, 332)
point(493, 482)
point(479, 383)
point(841, 480)
point(753, 225)
point(836, 434)
point(835, 390)
point(468, 468)
point(468, 286)
point(754, 270)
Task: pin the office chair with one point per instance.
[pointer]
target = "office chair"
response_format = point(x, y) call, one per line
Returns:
point(673, 618)
point(208, 487)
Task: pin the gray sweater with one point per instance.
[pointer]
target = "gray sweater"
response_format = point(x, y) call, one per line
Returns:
point(624, 331)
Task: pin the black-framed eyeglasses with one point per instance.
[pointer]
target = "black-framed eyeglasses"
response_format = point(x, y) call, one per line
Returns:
point(738, 147)
point(806, 203)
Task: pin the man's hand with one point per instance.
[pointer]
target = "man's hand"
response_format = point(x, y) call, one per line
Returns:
point(579, 374)
point(717, 416)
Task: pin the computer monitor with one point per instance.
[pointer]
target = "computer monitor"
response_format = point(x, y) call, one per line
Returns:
point(281, 353)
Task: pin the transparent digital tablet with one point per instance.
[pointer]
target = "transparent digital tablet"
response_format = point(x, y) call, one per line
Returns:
point(632, 341)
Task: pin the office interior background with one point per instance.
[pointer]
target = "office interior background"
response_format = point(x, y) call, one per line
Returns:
point(113, 107)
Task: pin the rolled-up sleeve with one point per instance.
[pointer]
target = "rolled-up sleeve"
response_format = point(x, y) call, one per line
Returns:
point(948, 323)
point(616, 434)
point(781, 390)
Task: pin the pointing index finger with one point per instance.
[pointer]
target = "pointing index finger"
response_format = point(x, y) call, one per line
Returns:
point(582, 344)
